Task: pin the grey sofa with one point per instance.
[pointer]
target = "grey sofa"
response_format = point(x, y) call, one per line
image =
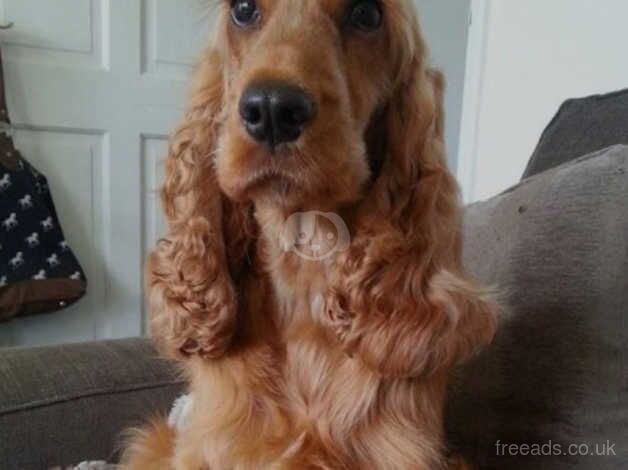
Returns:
point(556, 247)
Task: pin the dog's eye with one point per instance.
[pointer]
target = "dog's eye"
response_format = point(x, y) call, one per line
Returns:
point(244, 12)
point(365, 15)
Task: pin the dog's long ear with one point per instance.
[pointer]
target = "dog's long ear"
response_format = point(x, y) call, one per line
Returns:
point(426, 205)
point(413, 308)
point(191, 276)
point(455, 317)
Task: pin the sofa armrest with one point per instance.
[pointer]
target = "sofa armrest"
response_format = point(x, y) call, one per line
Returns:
point(62, 405)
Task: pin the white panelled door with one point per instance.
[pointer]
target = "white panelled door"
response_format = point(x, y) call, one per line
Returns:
point(94, 87)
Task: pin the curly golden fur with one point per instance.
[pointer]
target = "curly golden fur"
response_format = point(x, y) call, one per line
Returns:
point(339, 363)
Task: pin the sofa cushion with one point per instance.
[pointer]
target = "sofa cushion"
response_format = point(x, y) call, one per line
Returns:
point(556, 247)
point(580, 127)
point(66, 404)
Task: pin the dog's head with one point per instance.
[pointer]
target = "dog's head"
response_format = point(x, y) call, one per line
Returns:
point(315, 107)
point(308, 98)
point(310, 105)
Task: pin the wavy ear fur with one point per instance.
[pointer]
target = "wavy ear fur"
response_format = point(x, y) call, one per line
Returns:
point(399, 297)
point(191, 275)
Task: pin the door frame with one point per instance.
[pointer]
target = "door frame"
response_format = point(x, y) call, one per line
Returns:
point(472, 99)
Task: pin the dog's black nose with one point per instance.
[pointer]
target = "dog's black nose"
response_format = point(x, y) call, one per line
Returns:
point(275, 113)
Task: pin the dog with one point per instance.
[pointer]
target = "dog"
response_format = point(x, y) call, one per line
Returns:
point(338, 362)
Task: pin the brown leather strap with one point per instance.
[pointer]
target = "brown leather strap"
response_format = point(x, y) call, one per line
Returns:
point(8, 154)
point(4, 110)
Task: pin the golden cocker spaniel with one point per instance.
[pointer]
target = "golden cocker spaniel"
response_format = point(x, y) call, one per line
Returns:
point(310, 283)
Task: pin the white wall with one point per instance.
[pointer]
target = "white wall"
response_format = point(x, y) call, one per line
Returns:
point(445, 26)
point(537, 53)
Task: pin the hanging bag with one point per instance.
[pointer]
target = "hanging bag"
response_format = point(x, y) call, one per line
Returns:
point(38, 270)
